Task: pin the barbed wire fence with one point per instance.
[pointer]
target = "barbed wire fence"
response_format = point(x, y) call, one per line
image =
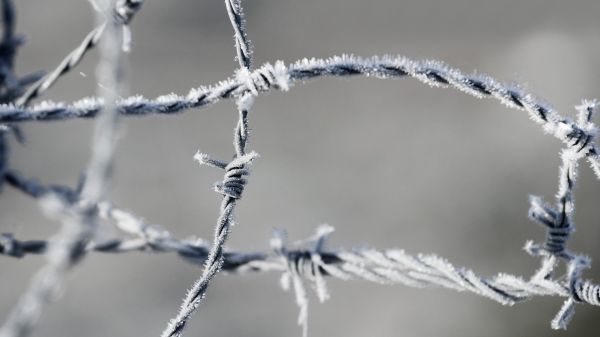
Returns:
point(81, 209)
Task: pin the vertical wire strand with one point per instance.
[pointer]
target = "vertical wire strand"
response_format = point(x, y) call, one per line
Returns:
point(214, 262)
point(79, 220)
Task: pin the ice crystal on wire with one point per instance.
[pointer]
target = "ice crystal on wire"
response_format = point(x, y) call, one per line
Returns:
point(306, 262)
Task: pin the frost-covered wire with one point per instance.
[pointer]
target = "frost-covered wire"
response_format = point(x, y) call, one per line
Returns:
point(579, 138)
point(313, 263)
point(42, 85)
point(306, 265)
point(67, 247)
point(242, 44)
point(233, 182)
point(81, 208)
point(279, 76)
point(124, 14)
point(559, 220)
point(298, 264)
point(141, 236)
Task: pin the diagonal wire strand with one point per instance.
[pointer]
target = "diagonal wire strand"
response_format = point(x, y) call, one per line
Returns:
point(91, 40)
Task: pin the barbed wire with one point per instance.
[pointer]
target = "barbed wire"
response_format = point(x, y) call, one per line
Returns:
point(280, 77)
point(233, 182)
point(124, 15)
point(385, 267)
point(79, 221)
point(82, 208)
point(392, 266)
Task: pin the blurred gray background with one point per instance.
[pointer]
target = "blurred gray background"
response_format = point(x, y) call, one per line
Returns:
point(388, 163)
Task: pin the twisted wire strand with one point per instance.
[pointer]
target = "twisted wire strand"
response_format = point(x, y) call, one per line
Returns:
point(192, 250)
point(142, 236)
point(90, 41)
point(233, 182)
point(559, 221)
point(387, 267)
point(238, 22)
point(122, 13)
point(79, 221)
point(280, 77)
point(296, 265)
point(304, 265)
point(383, 267)
point(580, 139)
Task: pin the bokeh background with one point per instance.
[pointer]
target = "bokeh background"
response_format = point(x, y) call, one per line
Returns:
point(388, 163)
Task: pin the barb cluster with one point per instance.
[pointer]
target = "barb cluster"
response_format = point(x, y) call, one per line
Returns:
point(83, 208)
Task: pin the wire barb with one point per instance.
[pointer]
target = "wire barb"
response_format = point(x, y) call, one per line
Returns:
point(306, 261)
point(233, 182)
point(559, 221)
point(301, 265)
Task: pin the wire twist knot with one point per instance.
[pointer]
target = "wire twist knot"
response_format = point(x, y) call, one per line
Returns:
point(303, 264)
point(558, 229)
point(236, 170)
point(580, 135)
point(262, 79)
point(580, 291)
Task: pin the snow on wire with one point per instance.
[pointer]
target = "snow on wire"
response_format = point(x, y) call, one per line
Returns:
point(82, 208)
